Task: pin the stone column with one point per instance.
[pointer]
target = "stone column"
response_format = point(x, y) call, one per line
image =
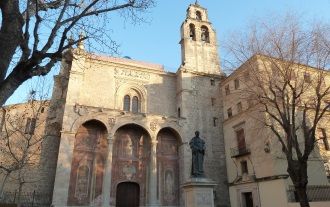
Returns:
point(63, 170)
point(152, 188)
point(106, 185)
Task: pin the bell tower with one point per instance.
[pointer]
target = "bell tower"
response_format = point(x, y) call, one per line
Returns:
point(199, 47)
point(199, 99)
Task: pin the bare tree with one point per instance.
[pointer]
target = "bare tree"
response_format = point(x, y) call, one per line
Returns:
point(34, 33)
point(289, 83)
point(20, 144)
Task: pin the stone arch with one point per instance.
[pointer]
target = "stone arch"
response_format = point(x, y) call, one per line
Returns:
point(198, 15)
point(168, 142)
point(192, 32)
point(131, 90)
point(89, 152)
point(98, 117)
point(128, 121)
point(130, 156)
point(205, 34)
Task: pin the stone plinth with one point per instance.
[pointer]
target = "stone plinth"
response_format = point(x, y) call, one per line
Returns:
point(198, 192)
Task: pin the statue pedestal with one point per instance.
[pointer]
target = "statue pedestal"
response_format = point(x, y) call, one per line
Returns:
point(198, 192)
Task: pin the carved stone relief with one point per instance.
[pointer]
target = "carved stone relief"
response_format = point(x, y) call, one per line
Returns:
point(80, 110)
point(87, 167)
point(167, 159)
point(169, 188)
point(129, 171)
point(131, 151)
point(203, 198)
point(132, 73)
point(111, 121)
point(153, 125)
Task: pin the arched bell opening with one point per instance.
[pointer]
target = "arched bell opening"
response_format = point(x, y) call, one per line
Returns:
point(168, 167)
point(88, 163)
point(130, 159)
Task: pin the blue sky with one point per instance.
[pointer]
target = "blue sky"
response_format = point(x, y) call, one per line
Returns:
point(157, 41)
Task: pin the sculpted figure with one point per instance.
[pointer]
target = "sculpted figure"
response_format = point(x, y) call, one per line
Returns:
point(197, 146)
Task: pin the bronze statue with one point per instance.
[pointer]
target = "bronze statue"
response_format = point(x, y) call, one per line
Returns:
point(197, 146)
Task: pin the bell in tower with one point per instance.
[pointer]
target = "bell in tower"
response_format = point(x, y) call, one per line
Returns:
point(198, 42)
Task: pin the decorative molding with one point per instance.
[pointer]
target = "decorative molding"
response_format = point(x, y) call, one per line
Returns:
point(153, 125)
point(80, 110)
point(132, 73)
point(111, 121)
point(129, 171)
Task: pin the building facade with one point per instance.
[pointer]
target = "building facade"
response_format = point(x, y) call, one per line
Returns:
point(117, 131)
point(256, 164)
point(125, 125)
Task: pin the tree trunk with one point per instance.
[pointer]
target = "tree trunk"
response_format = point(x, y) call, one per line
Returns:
point(297, 170)
point(19, 193)
point(7, 87)
point(10, 33)
point(3, 183)
point(302, 195)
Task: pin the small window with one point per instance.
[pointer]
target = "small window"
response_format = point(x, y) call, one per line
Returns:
point(307, 78)
point(246, 76)
point(250, 103)
point(42, 110)
point(241, 144)
point(215, 121)
point(239, 107)
point(229, 113)
point(30, 126)
point(205, 37)
point(179, 112)
point(292, 75)
point(324, 138)
point(212, 101)
point(212, 81)
point(244, 167)
point(135, 104)
point(236, 81)
point(227, 90)
point(127, 103)
point(192, 32)
point(198, 15)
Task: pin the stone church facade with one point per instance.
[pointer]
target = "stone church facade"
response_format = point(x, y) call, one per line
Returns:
point(117, 132)
point(119, 129)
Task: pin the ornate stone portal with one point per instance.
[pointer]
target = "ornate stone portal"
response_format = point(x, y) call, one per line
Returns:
point(130, 161)
point(151, 163)
point(87, 166)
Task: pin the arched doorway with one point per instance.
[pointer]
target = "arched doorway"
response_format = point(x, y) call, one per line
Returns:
point(168, 167)
point(130, 160)
point(128, 194)
point(87, 167)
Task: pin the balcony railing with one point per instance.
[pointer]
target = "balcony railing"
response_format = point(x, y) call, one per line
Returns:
point(314, 193)
point(240, 151)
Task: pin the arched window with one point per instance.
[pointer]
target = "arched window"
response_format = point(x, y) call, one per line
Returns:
point(192, 32)
point(205, 34)
point(198, 15)
point(127, 103)
point(135, 104)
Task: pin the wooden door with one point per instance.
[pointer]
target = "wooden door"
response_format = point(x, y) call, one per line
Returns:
point(128, 195)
